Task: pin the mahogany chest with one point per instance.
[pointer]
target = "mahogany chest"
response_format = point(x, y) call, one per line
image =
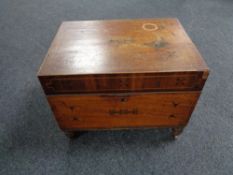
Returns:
point(116, 74)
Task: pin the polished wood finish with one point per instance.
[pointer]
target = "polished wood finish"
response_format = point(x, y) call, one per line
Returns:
point(123, 110)
point(121, 46)
point(122, 56)
point(122, 74)
point(182, 81)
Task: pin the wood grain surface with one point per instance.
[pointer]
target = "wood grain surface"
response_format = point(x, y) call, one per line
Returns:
point(112, 74)
point(83, 112)
point(121, 46)
point(183, 81)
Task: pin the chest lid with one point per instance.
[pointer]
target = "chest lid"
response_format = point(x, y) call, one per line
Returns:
point(95, 55)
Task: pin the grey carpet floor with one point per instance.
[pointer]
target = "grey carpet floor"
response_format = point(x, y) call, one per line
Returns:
point(30, 140)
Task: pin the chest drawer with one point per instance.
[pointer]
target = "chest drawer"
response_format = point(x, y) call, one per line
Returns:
point(123, 110)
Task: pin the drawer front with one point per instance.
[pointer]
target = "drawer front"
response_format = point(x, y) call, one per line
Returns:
point(123, 110)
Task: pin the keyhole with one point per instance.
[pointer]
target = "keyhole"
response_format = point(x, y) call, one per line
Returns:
point(123, 99)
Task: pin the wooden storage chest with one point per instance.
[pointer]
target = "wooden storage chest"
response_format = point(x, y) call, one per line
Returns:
point(122, 74)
